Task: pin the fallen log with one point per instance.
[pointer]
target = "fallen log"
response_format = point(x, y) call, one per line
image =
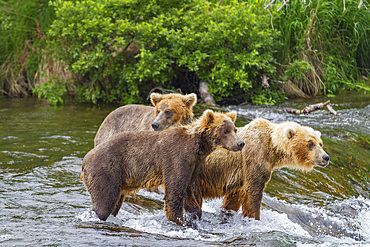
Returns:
point(325, 105)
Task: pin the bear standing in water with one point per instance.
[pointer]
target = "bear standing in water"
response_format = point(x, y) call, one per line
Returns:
point(242, 177)
point(169, 110)
point(130, 161)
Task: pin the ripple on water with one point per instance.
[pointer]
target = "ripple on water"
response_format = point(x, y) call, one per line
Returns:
point(356, 120)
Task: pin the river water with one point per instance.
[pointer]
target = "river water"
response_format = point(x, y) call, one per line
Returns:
point(43, 202)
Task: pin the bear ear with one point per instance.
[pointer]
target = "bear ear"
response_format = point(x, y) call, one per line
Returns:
point(207, 118)
point(190, 100)
point(289, 132)
point(232, 115)
point(155, 98)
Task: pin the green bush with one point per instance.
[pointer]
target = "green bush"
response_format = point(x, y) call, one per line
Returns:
point(22, 27)
point(122, 49)
point(332, 39)
point(54, 90)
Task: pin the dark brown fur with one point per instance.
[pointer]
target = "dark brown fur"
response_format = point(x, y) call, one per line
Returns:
point(169, 110)
point(241, 177)
point(130, 161)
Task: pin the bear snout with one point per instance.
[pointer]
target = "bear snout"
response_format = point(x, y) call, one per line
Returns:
point(155, 126)
point(240, 145)
point(326, 158)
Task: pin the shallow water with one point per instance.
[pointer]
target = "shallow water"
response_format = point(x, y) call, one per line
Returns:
point(43, 201)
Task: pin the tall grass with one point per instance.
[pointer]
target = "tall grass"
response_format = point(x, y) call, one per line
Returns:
point(333, 40)
point(22, 27)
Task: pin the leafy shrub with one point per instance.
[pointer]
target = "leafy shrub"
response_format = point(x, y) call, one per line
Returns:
point(22, 27)
point(332, 37)
point(53, 91)
point(297, 69)
point(122, 49)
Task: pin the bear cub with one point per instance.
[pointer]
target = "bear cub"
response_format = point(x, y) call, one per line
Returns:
point(169, 110)
point(130, 161)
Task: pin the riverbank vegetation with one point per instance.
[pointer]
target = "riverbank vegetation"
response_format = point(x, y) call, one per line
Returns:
point(117, 51)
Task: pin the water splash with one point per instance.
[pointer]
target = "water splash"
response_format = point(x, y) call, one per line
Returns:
point(341, 222)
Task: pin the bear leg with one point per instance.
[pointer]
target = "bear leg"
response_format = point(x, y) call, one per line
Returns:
point(193, 202)
point(174, 202)
point(105, 193)
point(174, 211)
point(232, 201)
point(252, 204)
point(175, 187)
point(118, 205)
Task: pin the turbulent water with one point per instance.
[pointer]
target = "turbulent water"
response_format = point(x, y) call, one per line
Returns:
point(43, 201)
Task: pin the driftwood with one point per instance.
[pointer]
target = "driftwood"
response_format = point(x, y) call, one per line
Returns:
point(205, 95)
point(312, 108)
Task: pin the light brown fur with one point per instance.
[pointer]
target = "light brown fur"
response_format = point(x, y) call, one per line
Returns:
point(241, 177)
point(169, 110)
point(130, 161)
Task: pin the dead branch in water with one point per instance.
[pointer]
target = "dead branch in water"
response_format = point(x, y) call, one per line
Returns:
point(315, 107)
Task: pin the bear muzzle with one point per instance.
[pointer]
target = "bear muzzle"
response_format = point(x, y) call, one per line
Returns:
point(240, 145)
point(155, 126)
point(326, 158)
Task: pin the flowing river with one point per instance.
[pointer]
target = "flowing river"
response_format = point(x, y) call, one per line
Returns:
point(43, 202)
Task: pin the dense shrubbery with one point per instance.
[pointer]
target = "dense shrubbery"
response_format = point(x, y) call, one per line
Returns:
point(124, 48)
point(327, 43)
point(118, 50)
point(22, 27)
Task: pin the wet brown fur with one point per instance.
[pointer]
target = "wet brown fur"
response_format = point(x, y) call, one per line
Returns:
point(131, 160)
point(241, 177)
point(169, 110)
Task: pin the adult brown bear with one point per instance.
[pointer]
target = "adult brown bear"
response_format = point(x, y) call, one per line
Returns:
point(242, 177)
point(130, 161)
point(169, 110)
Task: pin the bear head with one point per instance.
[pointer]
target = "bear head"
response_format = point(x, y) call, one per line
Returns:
point(220, 129)
point(172, 109)
point(301, 144)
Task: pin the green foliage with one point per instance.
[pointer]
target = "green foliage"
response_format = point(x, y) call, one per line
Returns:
point(53, 91)
point(22, 25)
point(118, 50)
point(332, 38)
point(268, 97)
point(336, 83)
point(297, 68)
point(121, 47)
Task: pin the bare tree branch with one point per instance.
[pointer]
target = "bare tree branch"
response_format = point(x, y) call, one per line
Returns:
point(282, 6)
point(312, 108)
point(361, 2)
point(344, 5)
point(268, 5)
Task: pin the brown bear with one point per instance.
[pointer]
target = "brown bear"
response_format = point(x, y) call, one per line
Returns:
point(130, 161)
point(169, 110)
point(242, 177)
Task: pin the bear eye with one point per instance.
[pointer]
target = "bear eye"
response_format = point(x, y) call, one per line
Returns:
point(310, 145)
point(168, 113)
